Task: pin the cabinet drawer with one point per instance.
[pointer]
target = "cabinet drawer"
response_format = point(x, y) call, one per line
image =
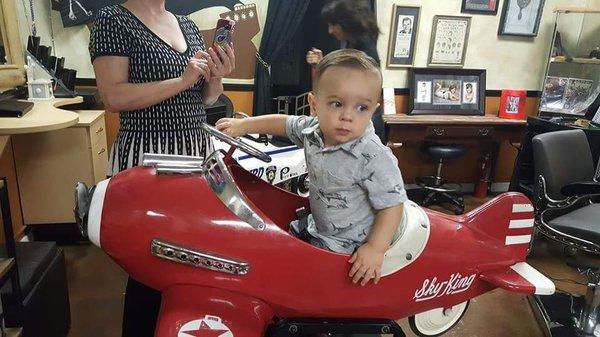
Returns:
point(460, 131)
point(97, 131)
point(99, 152)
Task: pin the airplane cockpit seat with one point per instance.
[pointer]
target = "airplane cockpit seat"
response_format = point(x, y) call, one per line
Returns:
point(410, 241)
point(565, 208)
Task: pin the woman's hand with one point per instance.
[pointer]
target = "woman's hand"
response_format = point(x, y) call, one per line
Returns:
point(221, 62)
point(366, 264)
point(233, 127)
point(314, 56)
point(195, 69)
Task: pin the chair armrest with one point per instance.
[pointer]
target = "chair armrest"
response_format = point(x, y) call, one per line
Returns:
point(581, 188)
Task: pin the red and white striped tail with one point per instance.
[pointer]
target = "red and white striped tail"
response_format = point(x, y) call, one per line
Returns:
point(520, 278)
point(507, 218)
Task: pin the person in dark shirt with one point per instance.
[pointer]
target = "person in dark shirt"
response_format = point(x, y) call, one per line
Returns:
point(354, 24)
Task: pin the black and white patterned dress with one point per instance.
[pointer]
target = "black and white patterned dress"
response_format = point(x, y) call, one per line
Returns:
point(171, 126)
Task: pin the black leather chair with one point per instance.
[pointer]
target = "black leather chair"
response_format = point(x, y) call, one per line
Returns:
point(437, 190)
point(566, 208)
point(43, 283)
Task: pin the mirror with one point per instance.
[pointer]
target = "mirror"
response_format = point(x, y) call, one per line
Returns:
point(12, 73)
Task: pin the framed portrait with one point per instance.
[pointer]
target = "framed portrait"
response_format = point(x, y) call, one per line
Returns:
point(446, 91)
point(486, 7)
point(403, 36)
point(449, 38)
point(521, 17)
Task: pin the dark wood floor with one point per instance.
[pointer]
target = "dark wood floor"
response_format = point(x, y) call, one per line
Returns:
point(96, 286)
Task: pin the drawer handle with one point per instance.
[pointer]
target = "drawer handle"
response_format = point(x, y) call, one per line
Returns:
point(438, 131)
point(484, 132)
point(393, 145)
point(101, 151)
point(99, 130)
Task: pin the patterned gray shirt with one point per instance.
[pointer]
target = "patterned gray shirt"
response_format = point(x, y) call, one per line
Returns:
point(348, 184)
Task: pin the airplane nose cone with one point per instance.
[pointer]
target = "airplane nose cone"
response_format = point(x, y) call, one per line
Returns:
point(83, 196)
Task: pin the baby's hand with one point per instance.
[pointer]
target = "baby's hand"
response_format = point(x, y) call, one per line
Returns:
point(231, 126)
point(366, 264)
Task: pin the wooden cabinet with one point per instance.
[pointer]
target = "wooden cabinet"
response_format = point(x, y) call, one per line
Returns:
point(48, 165)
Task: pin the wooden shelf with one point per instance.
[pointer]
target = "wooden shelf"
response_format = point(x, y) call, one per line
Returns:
point(13, 332)
point(580, 60)
point(567, 9)
point(5, 265)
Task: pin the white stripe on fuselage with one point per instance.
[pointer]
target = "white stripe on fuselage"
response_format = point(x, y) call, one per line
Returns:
point(520, 208)
point(95, 212)
point(517, 239)
point(525, 223)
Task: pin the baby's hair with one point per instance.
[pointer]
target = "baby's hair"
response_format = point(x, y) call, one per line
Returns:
point(452, 86)
point(350, 58)
point(469, 86)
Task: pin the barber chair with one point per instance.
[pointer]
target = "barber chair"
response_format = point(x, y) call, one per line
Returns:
point(567, 212)
point(437, 190)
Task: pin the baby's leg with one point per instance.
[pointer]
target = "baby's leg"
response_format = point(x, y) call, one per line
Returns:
point(298, 228)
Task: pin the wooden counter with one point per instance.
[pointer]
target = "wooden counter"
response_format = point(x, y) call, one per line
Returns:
point(482, 135)
point(489, 119)
point(44, 116)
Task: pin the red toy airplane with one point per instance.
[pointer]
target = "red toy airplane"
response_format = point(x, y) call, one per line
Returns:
point(214, 239)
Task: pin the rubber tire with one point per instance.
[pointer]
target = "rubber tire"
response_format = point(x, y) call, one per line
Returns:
point(570, 251)
point(301, 185)
point(415, 330)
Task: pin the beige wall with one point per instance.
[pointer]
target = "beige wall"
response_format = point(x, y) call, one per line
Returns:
point(511, 62)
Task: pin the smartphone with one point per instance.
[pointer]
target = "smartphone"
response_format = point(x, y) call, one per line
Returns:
point(223, 33)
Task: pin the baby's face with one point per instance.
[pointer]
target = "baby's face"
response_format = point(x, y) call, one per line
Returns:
point(344, 102)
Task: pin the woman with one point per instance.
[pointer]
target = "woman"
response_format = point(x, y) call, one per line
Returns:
point(354, 24)
point(152, 67)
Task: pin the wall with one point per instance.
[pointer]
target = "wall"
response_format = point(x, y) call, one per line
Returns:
point(511, 62)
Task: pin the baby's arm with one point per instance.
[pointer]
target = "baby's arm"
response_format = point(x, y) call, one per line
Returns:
point(368, 258)
point(270, 124)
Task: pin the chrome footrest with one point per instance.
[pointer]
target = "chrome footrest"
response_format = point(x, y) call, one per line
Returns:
point(438, 184)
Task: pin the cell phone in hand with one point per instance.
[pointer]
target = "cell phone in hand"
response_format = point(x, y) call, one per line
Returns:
point(223, 33)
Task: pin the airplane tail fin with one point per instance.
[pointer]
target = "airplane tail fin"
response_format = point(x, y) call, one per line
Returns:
point(508, 219)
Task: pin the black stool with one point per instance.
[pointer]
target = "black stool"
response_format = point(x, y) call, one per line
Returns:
point(437, 190)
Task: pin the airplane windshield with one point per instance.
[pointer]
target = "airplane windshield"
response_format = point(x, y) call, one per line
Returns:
point(221, 182)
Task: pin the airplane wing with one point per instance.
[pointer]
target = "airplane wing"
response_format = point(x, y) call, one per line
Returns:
point(520, 278)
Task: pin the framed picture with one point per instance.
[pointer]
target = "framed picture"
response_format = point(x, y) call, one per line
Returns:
point(486, 7)
point(566, 95)
point(403, 36)
point(512, 104)
point(445, 91)
point(449, 38)
point(521, 17)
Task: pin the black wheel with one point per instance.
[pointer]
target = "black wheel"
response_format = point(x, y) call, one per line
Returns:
point(570, 251)
point(302, 185)
point(437, 321)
